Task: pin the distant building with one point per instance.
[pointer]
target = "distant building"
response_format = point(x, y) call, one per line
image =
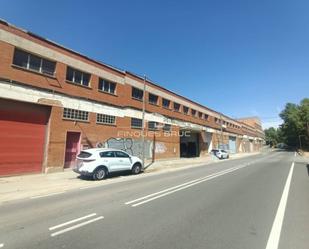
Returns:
point(55, 102)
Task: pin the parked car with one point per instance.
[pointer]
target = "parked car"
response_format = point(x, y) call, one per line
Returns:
point(99, 162)
point(221, 154)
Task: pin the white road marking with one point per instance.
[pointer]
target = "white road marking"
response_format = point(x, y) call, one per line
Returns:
point(76, 226)
point(41, 196)
point(1, 245)
point(168, 189)
point(145, 199)
point(72, 221)
point(274, 236)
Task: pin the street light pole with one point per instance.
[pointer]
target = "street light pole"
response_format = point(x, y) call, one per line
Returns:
point(143, 122)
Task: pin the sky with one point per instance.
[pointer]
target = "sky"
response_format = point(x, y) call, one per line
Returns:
point(241, 57)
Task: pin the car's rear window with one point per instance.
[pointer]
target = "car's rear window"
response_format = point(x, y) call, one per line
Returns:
point(84, 154)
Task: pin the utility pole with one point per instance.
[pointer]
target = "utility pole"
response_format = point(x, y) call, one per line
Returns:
point(143, 122)
point(221, 129)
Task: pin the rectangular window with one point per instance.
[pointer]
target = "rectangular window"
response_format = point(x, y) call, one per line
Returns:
point(185, 109)
point(105, 119)
point(107, 86)
point(77, 77)
point(137, 93)
point(167, 127)
point(206, 116)
point(176, 107)
point(32, 62)
point(74, 114)
point(166, 103)
point(152, 125)
point(153, 99)
point(200, 115)
point(136, 123)
point(193, 112)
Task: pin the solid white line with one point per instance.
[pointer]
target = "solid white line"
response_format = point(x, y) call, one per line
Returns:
point(76, 226)
point(274, 237)
point(72, 221)
point(171, 188)
point(189, 185)
point(41, 196)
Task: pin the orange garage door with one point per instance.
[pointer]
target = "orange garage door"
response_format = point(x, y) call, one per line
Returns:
point(22, 137)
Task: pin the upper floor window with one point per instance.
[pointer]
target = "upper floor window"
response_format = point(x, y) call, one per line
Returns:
point(176, 107)
point(74, 114)
point(167, 127)
point(152, 125)
point(105, 119)
point(78, 77)
point(193, 112)
point(137, 93)
point(200, 115)
point(107, 86)
point(153, 99)
point(185, 109)
point(32, 62)
point(206, 116)
point(136, 123)
point(166, 103)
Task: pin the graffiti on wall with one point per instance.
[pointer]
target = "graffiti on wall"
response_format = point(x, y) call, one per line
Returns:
point(132, 146)
point(160, 148)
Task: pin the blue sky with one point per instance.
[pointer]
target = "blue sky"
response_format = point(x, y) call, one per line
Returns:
point(239, 57)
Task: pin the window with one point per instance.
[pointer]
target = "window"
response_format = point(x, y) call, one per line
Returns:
point(166, 103)
point(105, 119)
point(152, 125)
point(193, 112)
point(206, 116)
point(176, 107)
point(121, 154)
point(107, 86)
point(84, 154)
point(107, 154)
point(153, 99)
point(75, 114)
point(137, 93)
point(200, 115)
point(185, 109)
point(32, 62)
point(167, 127)
point(78, 77)
point(136, 123)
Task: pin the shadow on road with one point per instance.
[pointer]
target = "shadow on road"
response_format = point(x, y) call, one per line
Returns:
point(308, 169)
point(110, 175)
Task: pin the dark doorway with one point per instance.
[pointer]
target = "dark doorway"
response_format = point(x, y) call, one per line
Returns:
point(71, 148)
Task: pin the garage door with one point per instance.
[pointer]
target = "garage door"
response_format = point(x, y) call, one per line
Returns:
point(22, 137)
point(232, 144)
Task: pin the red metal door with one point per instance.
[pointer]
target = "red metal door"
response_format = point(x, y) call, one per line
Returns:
point(22, 137)
point(71, 148)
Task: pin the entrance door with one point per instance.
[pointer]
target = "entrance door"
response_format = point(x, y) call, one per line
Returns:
point(232, 144)
point(71, 148)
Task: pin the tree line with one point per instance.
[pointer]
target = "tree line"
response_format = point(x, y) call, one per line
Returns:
point(294, 131)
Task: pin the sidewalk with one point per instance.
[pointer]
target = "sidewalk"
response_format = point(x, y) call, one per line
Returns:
point(39, 185)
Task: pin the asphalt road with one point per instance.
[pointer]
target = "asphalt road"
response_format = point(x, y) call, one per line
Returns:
point(257, 202)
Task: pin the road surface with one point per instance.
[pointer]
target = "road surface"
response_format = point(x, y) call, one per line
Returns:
point(260, 201)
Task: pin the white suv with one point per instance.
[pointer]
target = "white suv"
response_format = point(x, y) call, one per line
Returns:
point(221, 154)
point(99, 162)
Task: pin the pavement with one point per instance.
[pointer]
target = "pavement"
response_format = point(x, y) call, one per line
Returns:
point(254, 202)
point(37, 185)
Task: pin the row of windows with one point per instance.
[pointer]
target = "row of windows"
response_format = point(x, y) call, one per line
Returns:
point(78, 115)
point(41, 65)
point(228, 124)
point(152, 125)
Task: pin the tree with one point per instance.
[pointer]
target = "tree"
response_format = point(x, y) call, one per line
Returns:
point(271, 136)
point(295, 124)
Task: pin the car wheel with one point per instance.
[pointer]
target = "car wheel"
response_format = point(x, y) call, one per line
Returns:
point(228, 157)
point(99, 174)
point(136, 169)
point(221, 157)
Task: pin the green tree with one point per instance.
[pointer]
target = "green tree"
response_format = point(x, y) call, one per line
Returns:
point(272, 136)
point(295, 124)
